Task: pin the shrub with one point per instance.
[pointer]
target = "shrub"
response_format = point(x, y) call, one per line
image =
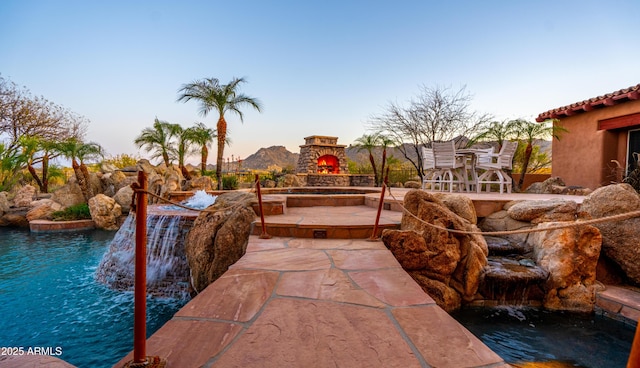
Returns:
point(77, 212)
point(230, 182)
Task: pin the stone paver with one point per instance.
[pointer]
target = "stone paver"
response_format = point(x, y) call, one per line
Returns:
point(316, 303)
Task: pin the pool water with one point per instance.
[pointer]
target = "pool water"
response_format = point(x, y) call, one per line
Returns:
point(49, 298)
point(522, 335)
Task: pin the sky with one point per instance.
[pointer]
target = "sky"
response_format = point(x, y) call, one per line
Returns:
point(317, 67)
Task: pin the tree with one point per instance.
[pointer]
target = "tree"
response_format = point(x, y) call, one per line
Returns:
point(159, 140)
point(23, 115)
point(436, 114)
point(223, 98)
point(369, 142)
point(79, 152)
point(182, 148)
point(498, 132)
point(11, 162)
point(385, 142)
point(202, 136)
point(528, 133)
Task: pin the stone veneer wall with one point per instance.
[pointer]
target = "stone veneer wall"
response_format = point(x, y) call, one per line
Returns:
point(335, 180)
point(361, 180)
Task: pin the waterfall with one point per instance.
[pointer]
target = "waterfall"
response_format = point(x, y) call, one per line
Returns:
point(167, 268)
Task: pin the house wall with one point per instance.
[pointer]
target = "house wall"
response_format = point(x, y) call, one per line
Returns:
point(583, 155)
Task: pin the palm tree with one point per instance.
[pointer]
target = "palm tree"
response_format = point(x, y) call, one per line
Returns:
point(159, 140)
point(183, 147)
point(79, 152)
point(369, 142)
point(223, 98)
point(498, 132)
point(385, 142)
point(202, 136)
point(529, 132)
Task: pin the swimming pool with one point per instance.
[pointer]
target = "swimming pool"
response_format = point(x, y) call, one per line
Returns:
point(522, 335)
point(50, 299)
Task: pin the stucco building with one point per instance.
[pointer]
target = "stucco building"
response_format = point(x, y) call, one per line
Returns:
point(600, 129)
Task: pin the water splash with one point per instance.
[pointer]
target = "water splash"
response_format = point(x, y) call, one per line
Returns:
point(199, 200)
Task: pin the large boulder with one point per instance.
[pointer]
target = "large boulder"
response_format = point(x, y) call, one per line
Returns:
point(105, 212)
point(25, 196)
point(501, 221)
point(570, 255)
point(619, 238)
point(451, 262)
point(69, 194)
point(43, 209)
point(199, 183)
point(4, 203)
point(219, 237)
point(539, 211)
point(123, 197)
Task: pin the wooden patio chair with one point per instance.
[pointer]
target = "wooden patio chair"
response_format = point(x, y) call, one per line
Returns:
point(494, 166)
point(431, 174)
point(451, 167)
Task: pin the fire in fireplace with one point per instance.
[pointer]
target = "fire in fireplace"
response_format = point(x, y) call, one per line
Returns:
point(328, 164)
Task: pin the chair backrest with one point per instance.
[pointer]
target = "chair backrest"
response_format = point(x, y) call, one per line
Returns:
point(483, 156)
point(444, 154)
point(428, 160)
point(508, 150)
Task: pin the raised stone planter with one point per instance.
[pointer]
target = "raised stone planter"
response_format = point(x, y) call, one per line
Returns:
point(47, 226)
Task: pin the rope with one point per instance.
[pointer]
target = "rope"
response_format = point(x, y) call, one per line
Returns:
point(576, 223)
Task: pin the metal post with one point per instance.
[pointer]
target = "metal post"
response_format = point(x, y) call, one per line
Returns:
point(140, 293)
point(374, 237)
point(264, 234)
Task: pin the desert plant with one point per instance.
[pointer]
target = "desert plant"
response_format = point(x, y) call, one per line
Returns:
point(229, 182)
point(71, 213)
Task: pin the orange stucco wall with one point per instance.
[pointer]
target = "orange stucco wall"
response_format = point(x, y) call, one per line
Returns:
point(583, 155)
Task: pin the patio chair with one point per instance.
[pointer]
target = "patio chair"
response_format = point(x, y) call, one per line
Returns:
point(431, 174)
point(494, 166)
point(451, 167)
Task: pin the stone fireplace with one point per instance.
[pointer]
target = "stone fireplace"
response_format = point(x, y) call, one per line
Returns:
point(322, 155)
point(323, 162)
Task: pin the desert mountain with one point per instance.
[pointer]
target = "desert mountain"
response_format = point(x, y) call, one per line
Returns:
point(274, 155)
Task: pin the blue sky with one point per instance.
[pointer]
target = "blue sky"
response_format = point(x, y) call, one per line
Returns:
point(318, 67)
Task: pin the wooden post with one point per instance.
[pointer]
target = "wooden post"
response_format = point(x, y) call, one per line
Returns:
point(374, 235)
point(264, 234)
point(140, 358)
point(140, 293)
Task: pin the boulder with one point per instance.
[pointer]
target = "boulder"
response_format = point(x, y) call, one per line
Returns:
point(199, 183)
point(571, 256)
point(69, 194)
point(412, 184)
point(4, 203)
point(145, 165)
point(25, 196)
point(460, 204)
point(105, 212)
point(107, 167)
point(43, 209)
point(453, 262)
point(123, 197)
point(619, 238)
point(219, 237)
point(539, 211)
point(501, 221)
point(290, 180)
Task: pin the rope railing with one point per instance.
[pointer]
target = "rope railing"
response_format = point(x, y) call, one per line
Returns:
point(576, 223)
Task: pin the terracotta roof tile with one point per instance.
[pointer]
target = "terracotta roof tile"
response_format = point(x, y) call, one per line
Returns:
point(610, 99)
